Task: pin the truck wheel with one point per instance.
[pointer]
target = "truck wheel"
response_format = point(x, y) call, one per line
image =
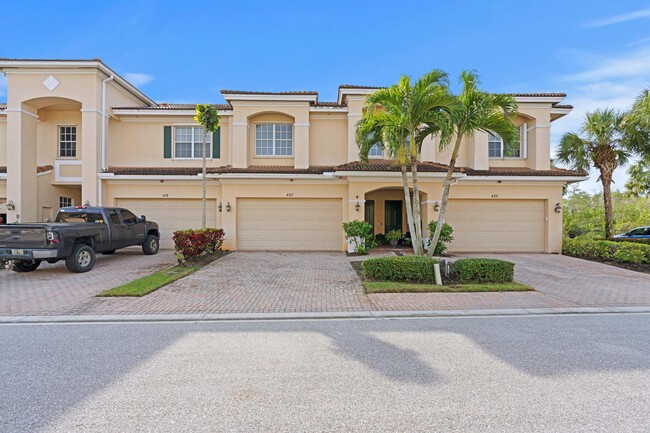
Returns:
point(81, 260)
point(151, 245)
point(26, 265)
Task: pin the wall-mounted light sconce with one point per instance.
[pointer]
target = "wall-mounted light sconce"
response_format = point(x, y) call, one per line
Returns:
point(228, 207)
point(87, 203)
point(10, 205)
point(558, 208)
point(220, 207)
point(358, 205)
point(436, 206)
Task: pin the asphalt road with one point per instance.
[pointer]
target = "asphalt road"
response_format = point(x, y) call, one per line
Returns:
point(586, 373)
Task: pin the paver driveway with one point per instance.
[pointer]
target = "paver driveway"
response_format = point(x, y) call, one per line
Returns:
point(52, 289)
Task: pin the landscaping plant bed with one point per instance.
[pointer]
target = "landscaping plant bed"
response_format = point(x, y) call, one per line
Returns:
point(638, 267)
point(147, 284)
point(450, 284)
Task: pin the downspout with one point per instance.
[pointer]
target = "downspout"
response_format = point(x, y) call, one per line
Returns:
point(104, 168)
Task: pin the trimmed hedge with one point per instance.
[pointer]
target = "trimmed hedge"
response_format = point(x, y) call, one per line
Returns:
point(632, 240)
point(190, 244)
point(619, 251)
point(484, 270)
point(404, 268)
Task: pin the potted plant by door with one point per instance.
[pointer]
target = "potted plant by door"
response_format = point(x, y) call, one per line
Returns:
point(359, 235)
point(393, 236)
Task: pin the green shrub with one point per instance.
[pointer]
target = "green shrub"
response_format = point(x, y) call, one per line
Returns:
point(394, 235)
point(404, 268)
point(620, 251)
point(380, 239)
point(359, 229)
point(446, 236)
point(484, 271)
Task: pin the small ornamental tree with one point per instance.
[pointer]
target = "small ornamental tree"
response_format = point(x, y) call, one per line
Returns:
point(208, 117)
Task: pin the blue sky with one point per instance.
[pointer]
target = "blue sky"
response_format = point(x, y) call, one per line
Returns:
point(597, 51)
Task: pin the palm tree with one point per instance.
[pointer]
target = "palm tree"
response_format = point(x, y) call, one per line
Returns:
point(474, 110)
point(638, 182)
point(399, 118)
point(208, 117)
point(605, 143)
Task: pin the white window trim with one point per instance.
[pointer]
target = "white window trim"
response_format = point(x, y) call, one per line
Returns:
point(523, 149)
point(174, 158)
point(293, 143)
point(377, 156)
point(58, 142)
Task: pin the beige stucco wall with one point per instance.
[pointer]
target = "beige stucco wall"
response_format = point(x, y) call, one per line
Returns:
point(140, 143)
point(48, 134)
point(328, 139)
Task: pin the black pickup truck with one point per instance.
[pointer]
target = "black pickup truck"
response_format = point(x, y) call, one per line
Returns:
point(77, 234)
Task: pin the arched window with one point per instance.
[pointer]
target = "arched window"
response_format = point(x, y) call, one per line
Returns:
point(513, 149)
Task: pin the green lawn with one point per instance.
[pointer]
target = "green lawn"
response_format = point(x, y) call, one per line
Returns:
point(148, 284)
point(402, 287)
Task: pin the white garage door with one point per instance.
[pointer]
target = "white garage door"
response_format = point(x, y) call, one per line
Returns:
point(497, 225)
point(171, 214)
point(289, 224)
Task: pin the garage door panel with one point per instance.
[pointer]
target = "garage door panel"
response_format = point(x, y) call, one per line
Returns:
point(172, 214)
point(289, 224)
point(497, 225)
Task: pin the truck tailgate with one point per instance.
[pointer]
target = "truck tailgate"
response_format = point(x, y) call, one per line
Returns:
point(22, 236)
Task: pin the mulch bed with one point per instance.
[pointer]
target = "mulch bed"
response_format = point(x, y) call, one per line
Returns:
point(638, 267)
point(206, 260)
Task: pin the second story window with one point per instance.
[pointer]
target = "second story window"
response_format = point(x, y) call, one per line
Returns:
point(376, 151)
point(188, 142)
point(67, 141)
point(273, 139)
point(514, 149)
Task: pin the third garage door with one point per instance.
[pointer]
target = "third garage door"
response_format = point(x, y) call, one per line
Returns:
point(497, 225)
point(289, 224)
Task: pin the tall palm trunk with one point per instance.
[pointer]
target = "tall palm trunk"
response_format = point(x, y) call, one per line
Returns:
point(205, 182)
point(416, 236)
point(606, 179)
point(407, 200)
point(445, 195)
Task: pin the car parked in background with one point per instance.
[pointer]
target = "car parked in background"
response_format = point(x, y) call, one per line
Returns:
point(637, 233)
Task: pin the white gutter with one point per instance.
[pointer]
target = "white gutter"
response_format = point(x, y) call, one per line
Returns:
point(112, 176)
point(526, 178)
point(421, 174)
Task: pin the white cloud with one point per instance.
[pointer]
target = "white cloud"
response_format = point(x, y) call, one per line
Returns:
point(633, 63)
point(617, 19)
point(138, 79)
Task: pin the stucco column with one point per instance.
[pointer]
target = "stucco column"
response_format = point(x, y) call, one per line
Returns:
point(229, 218)
point(477, 152)
point(91, 143)
point(301, 146)
point(239, 142)
point(539, 143)
point(21, 162)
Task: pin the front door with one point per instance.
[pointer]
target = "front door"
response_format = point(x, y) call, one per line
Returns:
point(369, 214)
point(393, 215)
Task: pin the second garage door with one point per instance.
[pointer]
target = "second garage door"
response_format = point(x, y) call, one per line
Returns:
point(171, 214)
point(497, 225)
point(289, 224)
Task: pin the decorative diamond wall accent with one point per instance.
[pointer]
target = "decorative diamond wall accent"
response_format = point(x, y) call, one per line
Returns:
point(51, 83)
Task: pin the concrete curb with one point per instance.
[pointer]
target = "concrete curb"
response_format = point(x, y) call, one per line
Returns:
point(317, 315)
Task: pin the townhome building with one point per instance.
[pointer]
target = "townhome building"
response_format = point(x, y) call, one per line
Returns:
point(283, 168)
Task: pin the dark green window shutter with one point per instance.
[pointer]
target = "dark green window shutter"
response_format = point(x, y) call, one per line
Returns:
point(216, 143)
point(167, 153)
